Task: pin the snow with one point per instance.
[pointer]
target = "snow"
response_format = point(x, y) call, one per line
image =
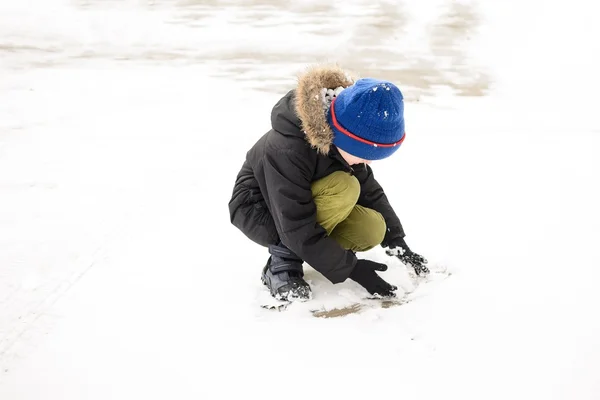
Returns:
point(124, 123)
point(327, 96)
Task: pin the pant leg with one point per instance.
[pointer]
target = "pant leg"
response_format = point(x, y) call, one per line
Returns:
point(355, 227)
point(335, 196)
point(361, 231)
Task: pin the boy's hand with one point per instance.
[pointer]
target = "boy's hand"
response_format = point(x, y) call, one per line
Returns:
point(364, 274)
point(397, 247)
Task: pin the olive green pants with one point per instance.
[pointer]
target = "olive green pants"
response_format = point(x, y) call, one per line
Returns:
point(355, 227)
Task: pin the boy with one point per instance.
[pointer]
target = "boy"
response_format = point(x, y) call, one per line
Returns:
point(306, 190)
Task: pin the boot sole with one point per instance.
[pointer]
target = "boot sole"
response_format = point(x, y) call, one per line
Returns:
point(305, 293)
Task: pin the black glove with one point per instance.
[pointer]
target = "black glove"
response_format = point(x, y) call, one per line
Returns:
point(364, 274)
point(398, 247)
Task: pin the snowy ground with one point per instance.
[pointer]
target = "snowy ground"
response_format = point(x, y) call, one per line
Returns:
point(123, 124)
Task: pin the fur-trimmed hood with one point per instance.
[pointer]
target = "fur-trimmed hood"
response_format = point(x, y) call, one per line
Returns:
point(309, 102)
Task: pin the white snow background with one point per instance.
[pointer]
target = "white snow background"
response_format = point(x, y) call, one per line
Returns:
point(122, 278)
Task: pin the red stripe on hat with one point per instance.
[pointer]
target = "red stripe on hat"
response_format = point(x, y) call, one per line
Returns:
point(353, 136)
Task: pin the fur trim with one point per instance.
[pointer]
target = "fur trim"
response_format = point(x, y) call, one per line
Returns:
point(309, 102)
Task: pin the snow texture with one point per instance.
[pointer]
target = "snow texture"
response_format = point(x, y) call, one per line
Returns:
point(327, 96)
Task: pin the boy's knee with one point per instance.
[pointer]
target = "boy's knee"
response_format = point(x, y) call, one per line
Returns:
point(375, 225)
point(372, 228)
point(362, 231)
point(349, 184)
point(342, 184)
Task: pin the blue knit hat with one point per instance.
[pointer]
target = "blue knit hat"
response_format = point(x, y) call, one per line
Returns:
point(367, 119)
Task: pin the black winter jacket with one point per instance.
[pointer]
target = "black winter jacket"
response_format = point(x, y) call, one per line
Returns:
point(278, 171)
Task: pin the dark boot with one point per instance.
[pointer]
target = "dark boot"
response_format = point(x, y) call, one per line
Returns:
point(283, 275)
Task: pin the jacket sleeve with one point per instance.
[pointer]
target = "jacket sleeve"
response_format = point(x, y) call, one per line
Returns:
point(287, 185)
point(373, 196)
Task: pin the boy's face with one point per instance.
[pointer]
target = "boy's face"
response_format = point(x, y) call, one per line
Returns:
point(350, 159)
